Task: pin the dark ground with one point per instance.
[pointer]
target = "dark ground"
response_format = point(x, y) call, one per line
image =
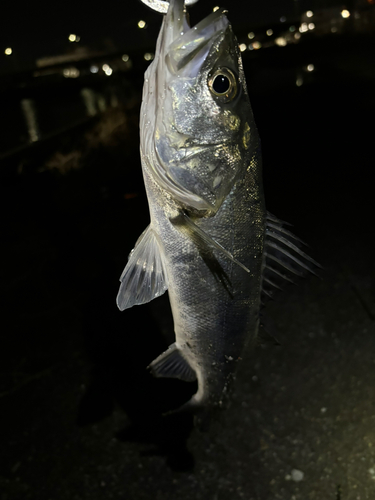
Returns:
point(80, 415)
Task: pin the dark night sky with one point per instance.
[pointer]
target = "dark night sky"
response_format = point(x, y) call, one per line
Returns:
point(41, 28)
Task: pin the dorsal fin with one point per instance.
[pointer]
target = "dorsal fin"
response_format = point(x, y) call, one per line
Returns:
point(284, 257)
point(144, 277)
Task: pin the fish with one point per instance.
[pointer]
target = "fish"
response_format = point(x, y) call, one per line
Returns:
point(210, 242)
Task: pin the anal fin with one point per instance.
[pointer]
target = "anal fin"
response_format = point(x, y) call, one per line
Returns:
point(171, 363)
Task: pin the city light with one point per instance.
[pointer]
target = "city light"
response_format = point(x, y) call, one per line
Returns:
point(125, 58)
point(310, 67)
point(311, 26)
point(141, 24)
point(8, 51)
point(299, 81)
point(148, 56)
point(345, 13)
point(257, 45)
point(281, 41)
point(303, 28)
point(282, 19)
point(292, 29)
point(251, 35)
point(71, 73)
point(216, 8)
point(297, 36)
point(94, 69)
point(72, 37)
point(243, 47)
point(269, 32)
point(107, 69)
point(309, 13)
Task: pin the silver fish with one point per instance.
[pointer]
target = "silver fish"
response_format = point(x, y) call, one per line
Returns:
point(210, 240)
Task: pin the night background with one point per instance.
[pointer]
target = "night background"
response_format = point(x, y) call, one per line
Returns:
point(81, 417)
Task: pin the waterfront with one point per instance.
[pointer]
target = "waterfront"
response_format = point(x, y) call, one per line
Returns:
point(81, 417)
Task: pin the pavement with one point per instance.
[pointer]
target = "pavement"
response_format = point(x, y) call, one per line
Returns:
point(81, 418)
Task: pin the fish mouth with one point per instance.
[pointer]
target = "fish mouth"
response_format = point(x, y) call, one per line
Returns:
point(186, 43)
point(162, 5)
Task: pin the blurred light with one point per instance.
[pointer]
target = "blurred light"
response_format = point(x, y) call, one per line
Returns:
point(29, 111)
point(251, 35)
point(299, 81)
point(107, 69)
point(148, 56)
point(72, 37)
point(303, 28)
point(257, 45)
point(125, 58)
point(250, 47)
point(243, 47)
point(89, 98)
point(8, 51)
point(281, 41)
point(333, 29)
point(297, 36)
point(71, 73)
point(141, 24)
point(94, 69)
point(345, 13)
point(292, 29)
point(216, 8)
point(310, 67)
point(269, 32)
point(78, 38)
point(309, 13)
point(311, 26)
point(282, 19)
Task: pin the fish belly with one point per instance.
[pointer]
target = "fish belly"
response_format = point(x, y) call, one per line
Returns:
point(215, 303)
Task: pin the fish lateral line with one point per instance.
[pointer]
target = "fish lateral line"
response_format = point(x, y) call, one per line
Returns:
point(183, 219)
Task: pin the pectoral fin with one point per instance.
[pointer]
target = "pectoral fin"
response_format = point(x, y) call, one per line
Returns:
point(144, 277)
point(198, 235)
point(172, 364)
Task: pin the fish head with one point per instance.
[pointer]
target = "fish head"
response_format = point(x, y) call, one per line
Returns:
point(197, 128)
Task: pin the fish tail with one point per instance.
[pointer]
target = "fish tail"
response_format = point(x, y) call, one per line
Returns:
point(196, 404)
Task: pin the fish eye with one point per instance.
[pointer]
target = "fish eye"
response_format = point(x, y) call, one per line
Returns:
point(223, 84)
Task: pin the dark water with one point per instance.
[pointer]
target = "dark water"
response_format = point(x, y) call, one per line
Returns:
point(81, 416)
